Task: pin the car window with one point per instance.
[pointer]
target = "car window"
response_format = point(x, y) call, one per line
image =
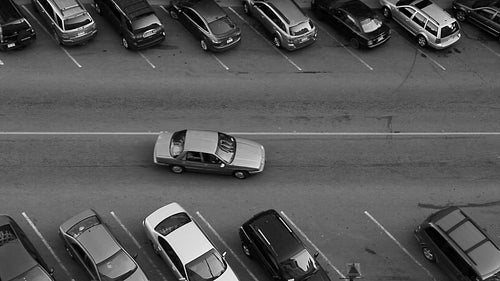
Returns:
point(171, 223)
point(115, 11)
point(407, 11)
point(59, 22)
point(45, 4)
point(419, 19)
point(90, 265)
point(351, 22)
point(172, 256)
point(117, 266)
point(298, 265)
point(497, 18)
point(487, 13)
point(301, 28)
point(226, 147)
point(144, 22)
point(211, 159)
point(422, 4)
point(449, 29)
point(271, 14)
point(196, 18)
point(177, 143)
point(431, 28)
point(207, 267)
point(78, 21)
point(193, 156)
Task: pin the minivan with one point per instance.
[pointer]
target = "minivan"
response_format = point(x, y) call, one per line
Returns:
point(15, 30)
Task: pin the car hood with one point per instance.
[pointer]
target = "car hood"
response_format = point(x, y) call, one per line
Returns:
point(248, 154)
point(228, 275)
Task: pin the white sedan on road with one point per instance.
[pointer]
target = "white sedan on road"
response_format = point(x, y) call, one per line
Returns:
point(185, 248)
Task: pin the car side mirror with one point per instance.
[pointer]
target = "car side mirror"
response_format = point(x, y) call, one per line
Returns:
point(224, 254)
point(222, 165)
point(316, 254)
point(135, 255)
point(51, 271)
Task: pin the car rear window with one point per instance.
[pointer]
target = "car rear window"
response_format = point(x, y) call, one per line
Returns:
point(6, 234)
point(449, 29)
point(78, 21)
point(85, 224)
point(369, 25)
point(221, 25)
point(144, 21)
point(177, 143)
point(301, 28)
point(172, 223)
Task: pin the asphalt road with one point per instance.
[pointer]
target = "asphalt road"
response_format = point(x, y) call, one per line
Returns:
point(335, 187)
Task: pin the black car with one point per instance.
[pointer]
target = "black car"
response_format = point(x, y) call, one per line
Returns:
point(15, 30)
point(268, 239)
point(207, 22)
point(483, 13)
point(19, 260)
point(135, 20)
point(355, 19)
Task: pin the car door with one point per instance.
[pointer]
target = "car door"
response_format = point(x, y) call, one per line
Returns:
point(261, 253)
point(215, 164)
point(193, 22)
point(483, 17)
point(268, 17)
point(171, 258)
point(46, 11)
point(418, 22)
point(192, 160)
point(114, 15)
point(403, 16)
point(86, 262)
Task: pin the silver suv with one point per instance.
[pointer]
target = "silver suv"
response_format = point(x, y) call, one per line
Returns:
point(289, 26)
point(427, 21)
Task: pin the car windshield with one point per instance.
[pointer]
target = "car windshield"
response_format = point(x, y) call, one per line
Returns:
point(226, 147)
point(85, 224)
point(369, 25)
point(78, 21)
point(299, 265)
point(207, 267)
point(144, 21)
point(34, 274)
point(117, 267)
point(177, 143)
point(449, 29)
point(221, 25)
point(301, 28)
point(172, 223)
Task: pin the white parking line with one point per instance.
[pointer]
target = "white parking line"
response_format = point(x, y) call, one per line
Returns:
point(47, 245)
point(431, 59)
point(146, 59)
point(399, 245)
point(489, 49)
point(345, 48)
point(138, 245)
point(265, 39)
point(43, 27)
point(226, 246)
point(221, 63)
point(316, 248)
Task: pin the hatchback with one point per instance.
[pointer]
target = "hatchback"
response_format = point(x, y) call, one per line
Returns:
point(207, 22)
point(90, 243)
point(15, 30)
point(355, 19)
point(209, 151)
point(270, 241)
point(19, 260)
point(483, 13)
point(431, 25)
point(289, 27)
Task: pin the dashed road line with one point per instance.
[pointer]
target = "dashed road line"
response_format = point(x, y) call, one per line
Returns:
point(47, 245)
point(45, 29)
point(226, 246)
point(137, 245)
point(489, 49)
point(316, 248)
point(265, 39)
point(146, 59)
point(431, 59)
point(399, 245)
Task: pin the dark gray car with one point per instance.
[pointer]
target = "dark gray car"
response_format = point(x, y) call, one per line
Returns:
point(483, 13)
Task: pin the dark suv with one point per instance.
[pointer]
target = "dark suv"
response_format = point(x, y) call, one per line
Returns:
point(135, 20)
point(268, 239)
point(19, 260)
point(15, 30)
point(459, 246)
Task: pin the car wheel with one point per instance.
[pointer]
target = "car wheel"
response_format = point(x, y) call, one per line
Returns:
point(203, 45)
point(125, 43)
point(240, 174)
point(422, 42)
point(460, 15)
point(177, 169)
point(246, 9)
point(354, 43)
point(246, 250)
point(386, 12)
point(173, 14)
point(276, 41)
point(428, 254)
point(69, 253)
point(98, 9)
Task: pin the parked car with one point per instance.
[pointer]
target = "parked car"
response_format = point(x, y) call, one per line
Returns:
point(181, 243)
point(459, 246)
point(135, 21)
point(19, 260)
point(355, 19)
point(431, 25)
point(289, 27)
point(15, 30)
point(90, 243)
point(270, 241)
point(207, 22)
point(209, 151)
point(483, 13)
point(68, 20)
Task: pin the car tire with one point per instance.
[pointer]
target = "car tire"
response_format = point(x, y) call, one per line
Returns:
point(428, 254)
point(97, 9)
point(69, 253)
point(246, 9)
point(246, 250)
point(240, 174)
point(176, 169)
point(386, 12)
point(460, 15)
point(354, 43)
point(276, 41)
point(173, 14)
point(421, 41)
point(203, 45)
point(125, 43)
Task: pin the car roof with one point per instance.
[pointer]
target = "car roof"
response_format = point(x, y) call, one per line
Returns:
point(471, 239)
point(134, 8)
point(98, 242)
point(438, 14)
point(189, 242)
point(208, 9)
point(288, 10)
point(274, 232)
point(202, 141)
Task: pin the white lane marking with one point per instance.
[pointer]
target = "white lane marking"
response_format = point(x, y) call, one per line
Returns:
point(47, 245)
point(146, 59)
point(399, 245)
point(138, 245)
point(316, 248)
point(43, 27)
point(431, 59)
point(227, 247)
point(430, 134)
point(489, 49)
point(221, 63)
point(265, 39)
point(345, 48)
point(163, 8)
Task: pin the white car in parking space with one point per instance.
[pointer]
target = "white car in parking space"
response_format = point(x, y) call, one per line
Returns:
point(185, 248)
